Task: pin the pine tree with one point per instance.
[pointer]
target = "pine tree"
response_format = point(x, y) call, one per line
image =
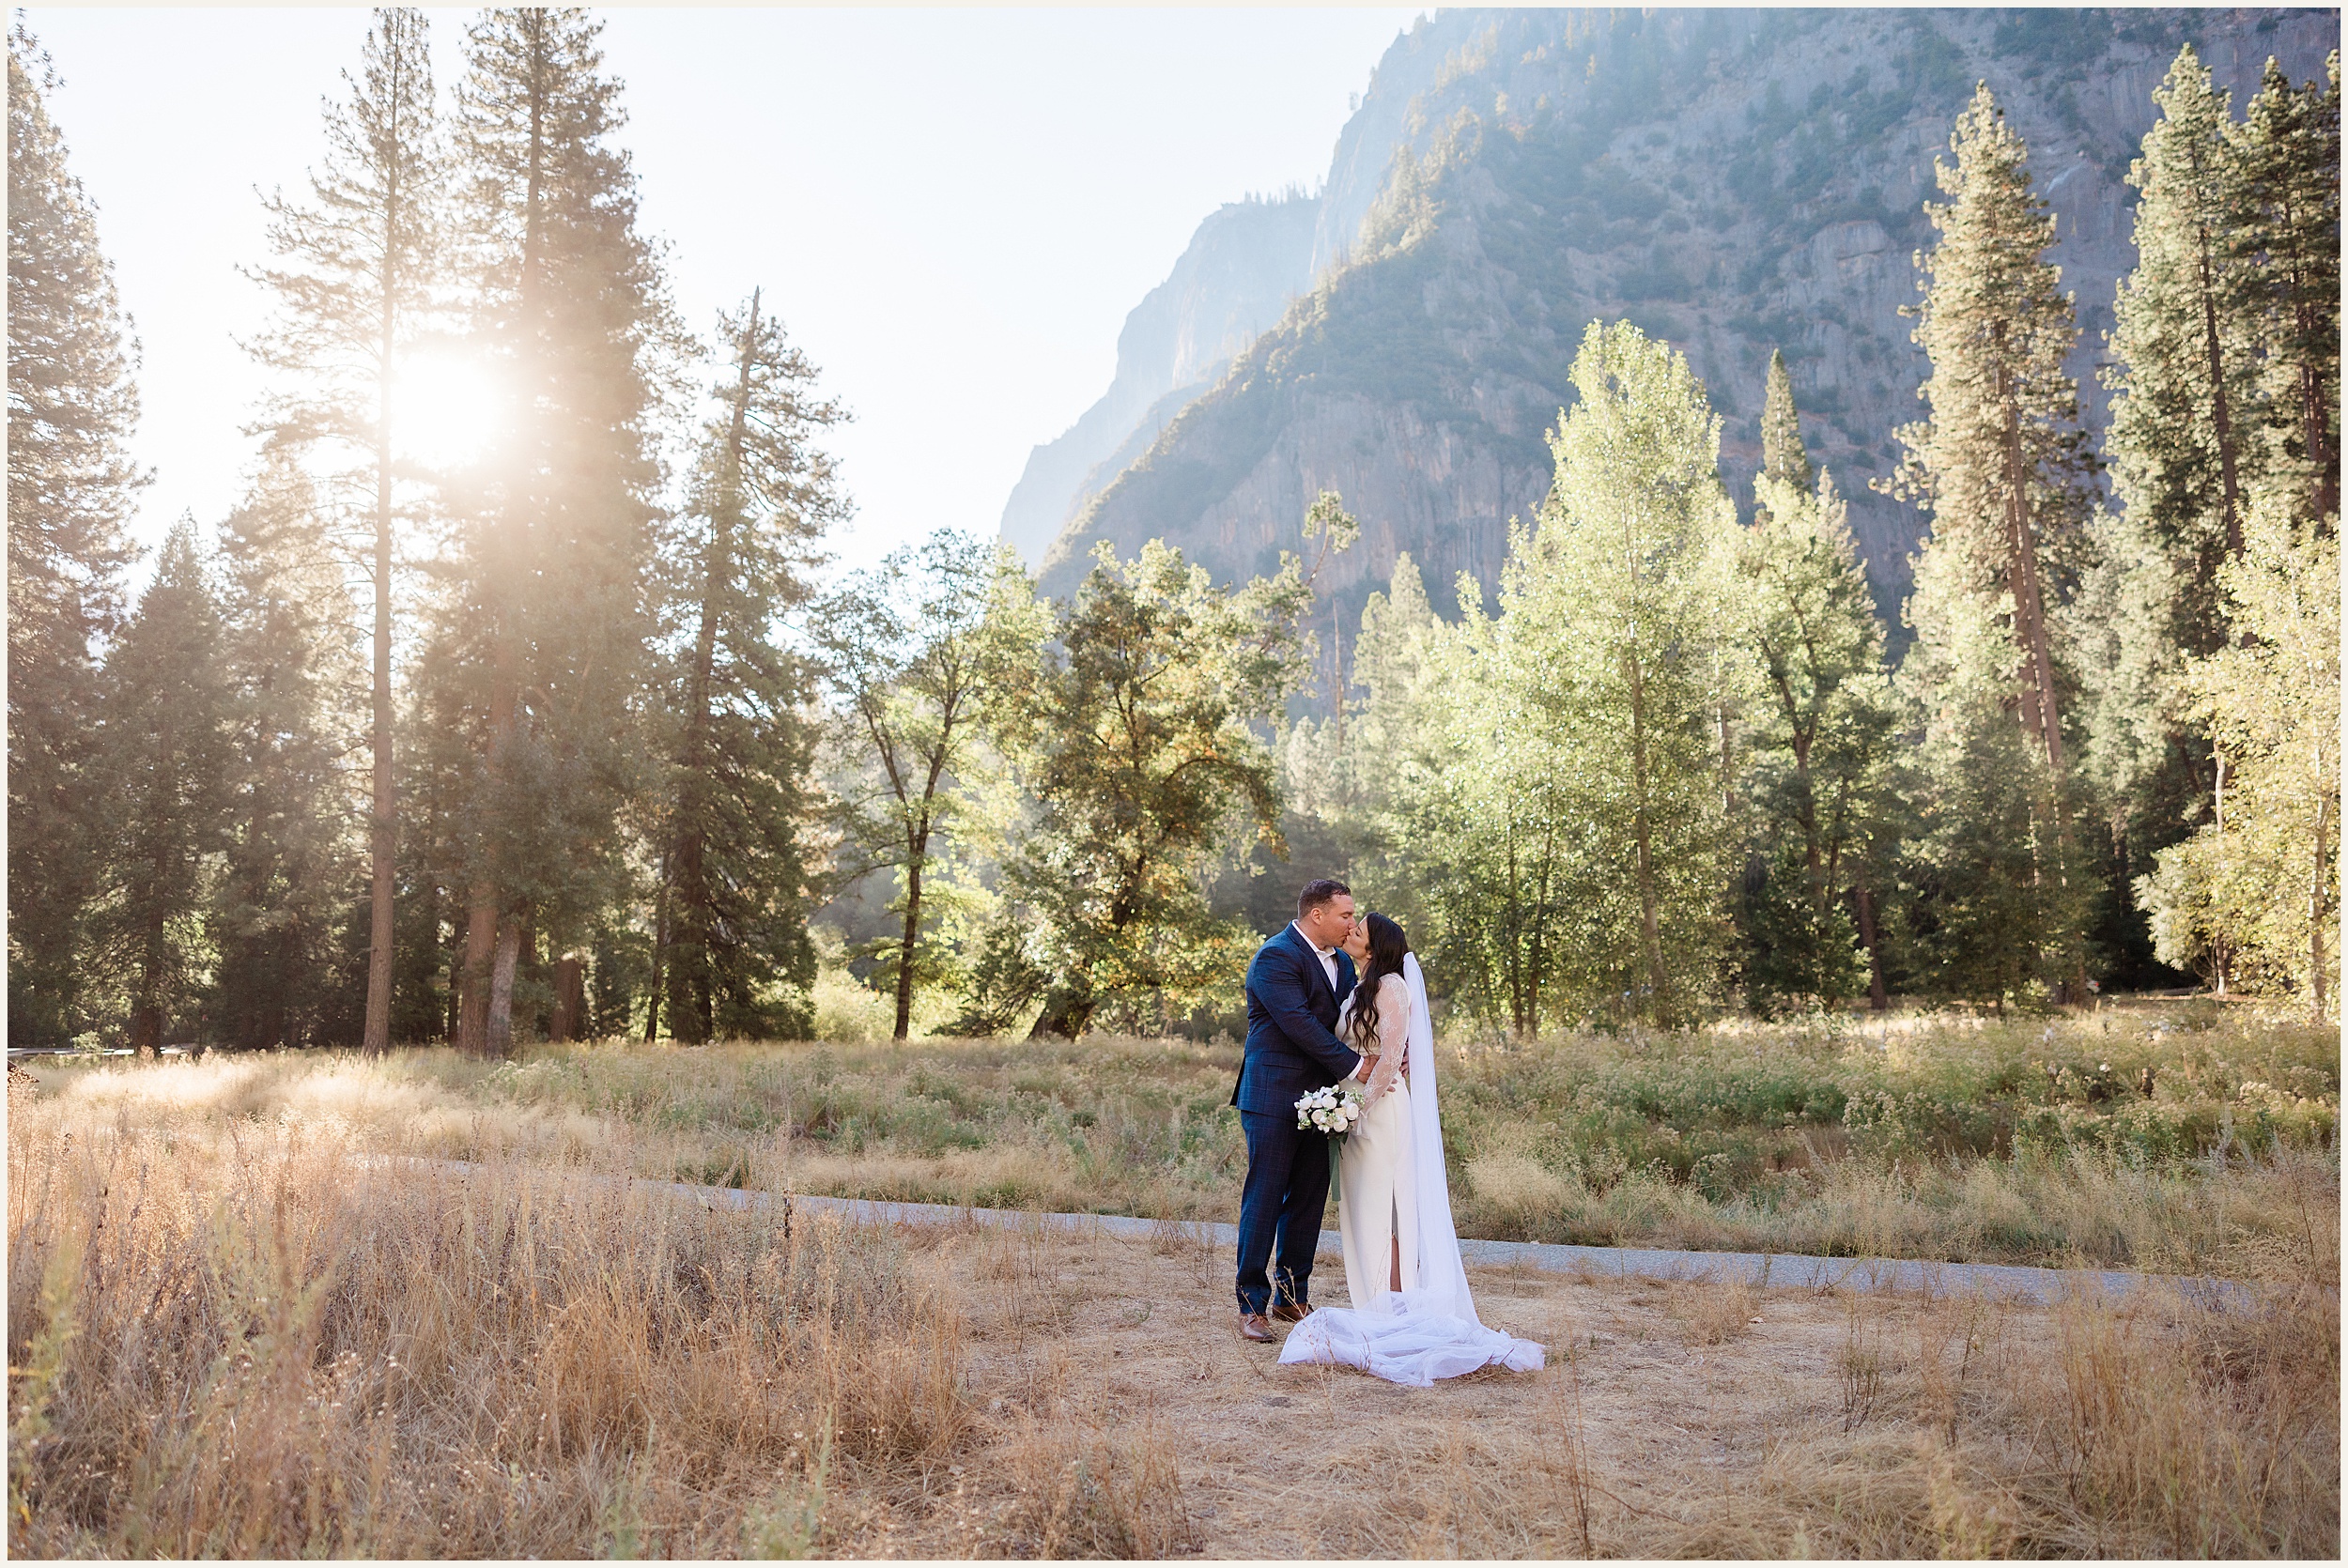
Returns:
point(2002, 465)
point(1822, 745)
point(290, 661)
point(2183, 446)
point(2288, 233)
point(358, 267)
point(71, 487)
point(544, 601)
point(1616, 607)
point(2000, 460)
point(732, 920)
point(916, 656)
point(2182, 373)
point(1784, 457)
point(164, 741)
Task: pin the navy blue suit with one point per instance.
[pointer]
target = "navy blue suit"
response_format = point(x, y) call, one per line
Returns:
point(1293, 1048)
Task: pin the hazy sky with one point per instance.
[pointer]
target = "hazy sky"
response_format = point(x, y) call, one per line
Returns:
point(952, 210)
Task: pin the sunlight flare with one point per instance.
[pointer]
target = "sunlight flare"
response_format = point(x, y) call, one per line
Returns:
point(446, 407)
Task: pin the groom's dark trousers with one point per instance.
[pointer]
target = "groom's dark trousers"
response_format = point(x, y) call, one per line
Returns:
point(1293, 1048)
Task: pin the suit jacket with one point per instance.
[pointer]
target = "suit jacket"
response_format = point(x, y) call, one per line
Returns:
point(1292, 1045)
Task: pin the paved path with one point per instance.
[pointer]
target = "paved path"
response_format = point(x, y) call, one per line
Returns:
point(2002, 1281)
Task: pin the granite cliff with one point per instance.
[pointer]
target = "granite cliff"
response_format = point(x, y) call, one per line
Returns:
point(1732, 181)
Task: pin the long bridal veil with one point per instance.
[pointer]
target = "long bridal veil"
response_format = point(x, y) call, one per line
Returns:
point(1431, 1331)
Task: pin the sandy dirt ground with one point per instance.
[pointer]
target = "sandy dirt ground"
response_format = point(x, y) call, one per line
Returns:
point(1121, 1414)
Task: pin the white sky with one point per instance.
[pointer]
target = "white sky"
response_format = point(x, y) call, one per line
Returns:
point(952, 210)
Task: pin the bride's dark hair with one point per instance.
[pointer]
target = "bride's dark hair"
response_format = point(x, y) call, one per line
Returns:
point(1388, 948)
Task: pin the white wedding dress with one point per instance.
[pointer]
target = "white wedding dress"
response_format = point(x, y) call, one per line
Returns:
point(1391, 1186)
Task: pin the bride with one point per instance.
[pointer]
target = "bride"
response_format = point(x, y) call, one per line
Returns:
point(1412, 1320)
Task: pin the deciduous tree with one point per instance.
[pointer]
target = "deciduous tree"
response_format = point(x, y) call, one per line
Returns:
point(917, 652)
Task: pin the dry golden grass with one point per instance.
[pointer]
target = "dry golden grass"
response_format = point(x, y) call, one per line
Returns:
point(246, 1339)
point(2185, 1139)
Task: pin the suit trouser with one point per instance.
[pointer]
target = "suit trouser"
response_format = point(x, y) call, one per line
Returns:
point(1280, 1209)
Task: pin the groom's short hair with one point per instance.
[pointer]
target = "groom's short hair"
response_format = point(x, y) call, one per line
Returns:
point(1318, 893)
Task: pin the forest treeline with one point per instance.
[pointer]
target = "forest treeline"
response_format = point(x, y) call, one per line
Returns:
point(571, 736)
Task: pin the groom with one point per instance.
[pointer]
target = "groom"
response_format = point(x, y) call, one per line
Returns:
point(1295, 986)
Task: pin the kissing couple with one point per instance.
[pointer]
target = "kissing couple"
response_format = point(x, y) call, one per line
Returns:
point(1337, 1001)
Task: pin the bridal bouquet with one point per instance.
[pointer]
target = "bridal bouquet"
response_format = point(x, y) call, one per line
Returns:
point(1333, 1111)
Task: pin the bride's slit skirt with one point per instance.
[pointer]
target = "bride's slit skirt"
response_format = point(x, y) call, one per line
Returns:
point(1380, 1200)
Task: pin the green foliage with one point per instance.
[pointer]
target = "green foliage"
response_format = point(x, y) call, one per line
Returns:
point(918, 652)
point(1994, 899)
point(540, 636)
point(164, 738)
point(2253, 895)
point(2002, 463)
point(1134, 739)
point(358, 272)
point(1823, 744)
point(1571, 814)
point(289, 657)
point(2287, 227)
point(732, 954)
point(1784, 457)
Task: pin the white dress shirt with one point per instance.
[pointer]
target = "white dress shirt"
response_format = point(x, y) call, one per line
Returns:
point(1328, 957)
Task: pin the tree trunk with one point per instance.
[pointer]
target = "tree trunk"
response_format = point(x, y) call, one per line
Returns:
point(659, 957)
point(383, 825)
point(2040, 713)
point(1650, 926)
point(2316, 889)
point(904, 954)
point(481, 932)
point(1066, 1013)
point(2221, 417)
point(570, 999)
point(1879, 1000)
point(509, 949)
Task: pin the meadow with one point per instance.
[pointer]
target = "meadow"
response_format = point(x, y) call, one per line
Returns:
point(237, 1327)
point(235, 1330)
point(2185, 1138)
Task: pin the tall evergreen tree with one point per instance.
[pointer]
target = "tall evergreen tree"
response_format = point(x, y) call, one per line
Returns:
point(2288, 229)
point(2182, 373)
point(2000, 460)
point(545, 598)
point(2184, 445)
point(71, 487)
point(732, 906)
point(165, 748)
point(357, 270)
point(1784, 457)
point(290, 664)
point(2002, 465)
point(1617, 608)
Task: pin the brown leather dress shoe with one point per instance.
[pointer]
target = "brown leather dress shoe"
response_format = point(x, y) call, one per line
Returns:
point(1291, 1311)
point(1255, 1326)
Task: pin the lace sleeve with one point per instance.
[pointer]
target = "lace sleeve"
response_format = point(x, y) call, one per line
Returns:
point(1394, 1033)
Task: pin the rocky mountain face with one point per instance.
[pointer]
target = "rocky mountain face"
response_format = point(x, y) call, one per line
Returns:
point(1733, 181)
point(1243, 266)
